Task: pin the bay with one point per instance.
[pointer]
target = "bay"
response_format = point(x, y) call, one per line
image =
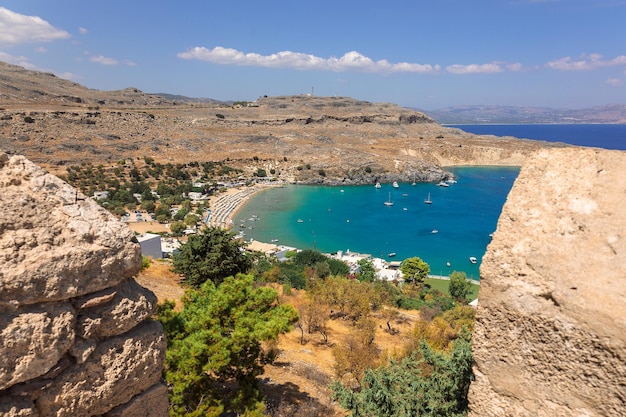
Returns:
point(354, 218)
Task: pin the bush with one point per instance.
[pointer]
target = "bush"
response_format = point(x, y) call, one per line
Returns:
point(29, 119)
point(145, 262)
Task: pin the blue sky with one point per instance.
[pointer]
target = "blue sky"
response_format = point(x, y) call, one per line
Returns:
point(423, 54)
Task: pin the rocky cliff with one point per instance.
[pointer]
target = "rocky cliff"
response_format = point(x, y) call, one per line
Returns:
point(76, 338)
point(550, 338)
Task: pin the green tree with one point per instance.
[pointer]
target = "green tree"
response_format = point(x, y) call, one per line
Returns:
point(427, 383)
point(367, 272)
point(177, 228)
point(338, 267)
point(459, 286)
point(148, 205)
point(309, 257)
point(216, 340)
point(415, 270)
point(211, 255)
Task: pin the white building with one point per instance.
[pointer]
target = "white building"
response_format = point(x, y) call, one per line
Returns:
point(150, 244)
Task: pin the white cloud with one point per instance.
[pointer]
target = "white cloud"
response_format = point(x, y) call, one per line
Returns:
point(350, 61)
point(585, 62)
point(17, 28)
point(83, 31)
point(103, 60)
point(16, 60)
point(615, 82)
point(475, 68)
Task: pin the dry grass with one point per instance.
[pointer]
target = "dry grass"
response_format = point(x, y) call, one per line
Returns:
point(297, 383)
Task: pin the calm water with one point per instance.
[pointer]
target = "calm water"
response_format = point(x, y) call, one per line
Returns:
point(596, 135)
point(355, 218)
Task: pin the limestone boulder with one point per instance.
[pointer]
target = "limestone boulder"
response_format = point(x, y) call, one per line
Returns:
point(44, 221)
point(550, 337)
point(33, 339)
point(130, 305)
point(119, 369)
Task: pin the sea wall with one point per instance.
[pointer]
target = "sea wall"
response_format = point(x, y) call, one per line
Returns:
point(550, 337)
point(76, 337)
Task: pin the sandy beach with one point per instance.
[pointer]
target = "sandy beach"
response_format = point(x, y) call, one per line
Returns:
point(223, 208)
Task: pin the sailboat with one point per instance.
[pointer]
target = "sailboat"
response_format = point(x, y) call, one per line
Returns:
point(428, 200)
point(413, 180)
point(388, 202)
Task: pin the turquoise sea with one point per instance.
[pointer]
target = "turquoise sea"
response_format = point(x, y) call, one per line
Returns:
point(355, 218)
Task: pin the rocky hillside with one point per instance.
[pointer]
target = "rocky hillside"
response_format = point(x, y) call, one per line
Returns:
point(58, 123)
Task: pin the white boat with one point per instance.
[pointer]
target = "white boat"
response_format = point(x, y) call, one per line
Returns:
point(451, 181)
point(428, 200)
point(378, 185)
point(392, 254)
point(388, 202)
point(395, 184)
point(274, 240)
point(472, 259)
point(300, 221)
point(448, 264)
point(434, 231)
point(413, 180)
point(443, 184)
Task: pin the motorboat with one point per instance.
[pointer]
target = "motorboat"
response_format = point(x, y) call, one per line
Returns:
point(434, 231)
point(391, 255)
point(395, 184)
point(378, 185)
point(300, 221)
point(443, 184)
point(472, 259)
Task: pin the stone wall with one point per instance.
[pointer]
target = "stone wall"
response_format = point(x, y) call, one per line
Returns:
point(550, 338)
point(76, 337)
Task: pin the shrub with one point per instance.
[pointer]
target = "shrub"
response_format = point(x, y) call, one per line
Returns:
point(29, 119)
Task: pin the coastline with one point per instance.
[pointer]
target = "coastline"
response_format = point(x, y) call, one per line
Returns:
point(225, 206)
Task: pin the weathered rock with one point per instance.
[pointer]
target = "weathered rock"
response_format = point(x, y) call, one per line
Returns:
point(75, 333)
point(119, 369)
point(152, 403)
point(550, 338)
point(44, 221)
point(17, 407)
point(32, 341)
point(131, 305)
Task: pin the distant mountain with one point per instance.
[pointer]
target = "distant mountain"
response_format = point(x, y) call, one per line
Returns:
point(615, 113)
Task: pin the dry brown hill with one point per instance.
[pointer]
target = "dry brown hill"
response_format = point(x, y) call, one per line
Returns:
point(56, 123)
